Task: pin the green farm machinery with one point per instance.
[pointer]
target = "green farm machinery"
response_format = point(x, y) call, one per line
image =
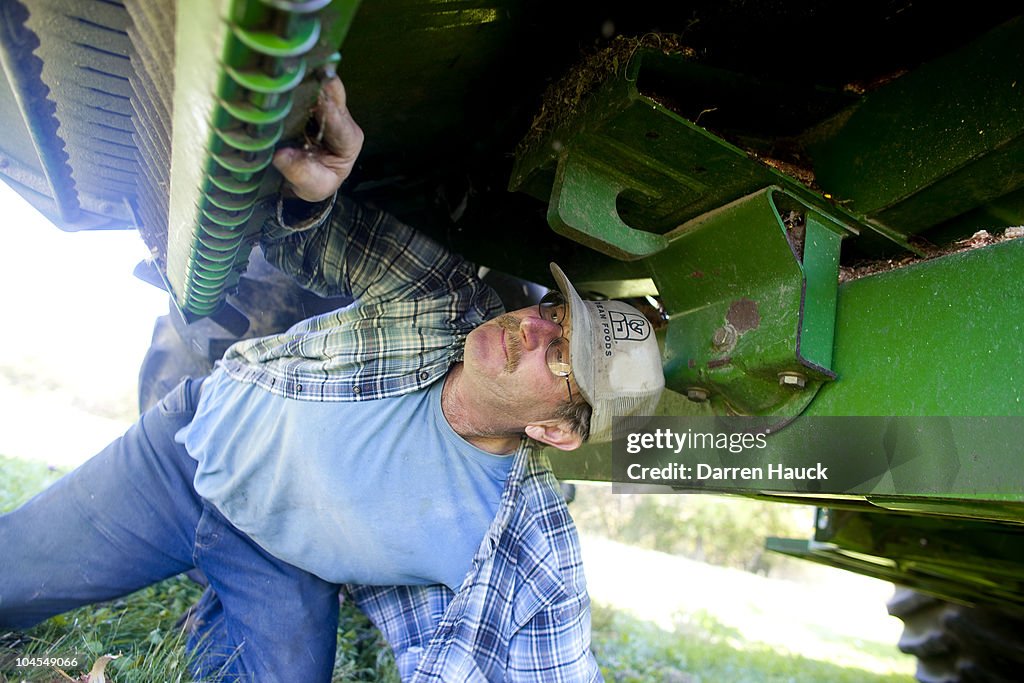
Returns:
point(818, 202)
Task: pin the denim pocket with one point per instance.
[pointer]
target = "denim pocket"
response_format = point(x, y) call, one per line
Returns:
point(178, 400)
point(208, 532)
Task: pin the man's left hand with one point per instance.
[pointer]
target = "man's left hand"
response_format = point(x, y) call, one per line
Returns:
point(314, 173)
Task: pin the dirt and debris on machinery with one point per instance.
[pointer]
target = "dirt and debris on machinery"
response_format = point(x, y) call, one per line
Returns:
point(981, 238)
point(561, 101)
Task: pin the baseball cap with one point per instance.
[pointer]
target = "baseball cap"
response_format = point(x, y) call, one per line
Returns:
point(615, 358)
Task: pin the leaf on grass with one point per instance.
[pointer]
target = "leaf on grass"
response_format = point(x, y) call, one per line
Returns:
point(96, 674)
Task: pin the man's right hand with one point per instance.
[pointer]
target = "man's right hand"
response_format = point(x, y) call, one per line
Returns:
point(314, 173)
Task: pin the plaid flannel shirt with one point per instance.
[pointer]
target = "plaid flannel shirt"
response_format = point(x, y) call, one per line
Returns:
point(522, 612)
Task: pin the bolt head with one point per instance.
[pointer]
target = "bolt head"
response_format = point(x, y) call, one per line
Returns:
point(724, 336)
point(792, 379)
point(697, 394)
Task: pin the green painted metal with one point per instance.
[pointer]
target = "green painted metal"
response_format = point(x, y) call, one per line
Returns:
point(584, 206)
point(625, 171)
point(940, 337)
point(958, 559)
point(820, 262)
point(935, 151)
point(943, 337)
point(934, 143)
point(745, 321)
point(932, 339)
point(241, 86)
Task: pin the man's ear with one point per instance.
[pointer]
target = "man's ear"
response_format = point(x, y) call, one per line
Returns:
point(554, 433)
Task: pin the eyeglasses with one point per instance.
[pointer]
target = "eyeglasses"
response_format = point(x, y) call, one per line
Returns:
point(554, 308)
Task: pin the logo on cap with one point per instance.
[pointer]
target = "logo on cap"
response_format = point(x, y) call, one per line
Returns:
point(629, 326)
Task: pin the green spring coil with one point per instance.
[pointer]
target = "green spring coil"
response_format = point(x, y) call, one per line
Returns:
point(263, 64)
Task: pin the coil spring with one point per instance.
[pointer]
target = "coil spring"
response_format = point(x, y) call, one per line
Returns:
point(263, 64)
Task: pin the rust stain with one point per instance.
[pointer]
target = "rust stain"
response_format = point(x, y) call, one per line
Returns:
point(743, 315)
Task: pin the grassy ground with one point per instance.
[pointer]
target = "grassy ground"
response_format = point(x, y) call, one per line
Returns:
point(142, 628)
point(703, 650)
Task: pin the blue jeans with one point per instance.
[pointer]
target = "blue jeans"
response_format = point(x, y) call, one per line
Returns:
point(130, 517)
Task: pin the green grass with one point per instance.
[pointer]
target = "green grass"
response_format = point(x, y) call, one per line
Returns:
point(705, 651)
point(141, 627)
point(21, 480)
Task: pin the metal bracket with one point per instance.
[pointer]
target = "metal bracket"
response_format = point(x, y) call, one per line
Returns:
point(752, 308)
point(624, 170)
point(754, 305)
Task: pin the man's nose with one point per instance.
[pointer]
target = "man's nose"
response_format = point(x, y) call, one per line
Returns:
point(538, 333)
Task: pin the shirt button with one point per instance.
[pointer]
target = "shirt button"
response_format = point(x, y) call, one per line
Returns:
point(356, 390)
point(424, 375)
point(298, 387)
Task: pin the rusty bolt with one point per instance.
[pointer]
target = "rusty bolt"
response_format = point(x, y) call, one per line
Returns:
point(697, 394)
point(792, 379)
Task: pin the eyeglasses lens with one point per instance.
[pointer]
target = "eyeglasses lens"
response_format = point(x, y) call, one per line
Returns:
point(552, 307)
point(558, 357)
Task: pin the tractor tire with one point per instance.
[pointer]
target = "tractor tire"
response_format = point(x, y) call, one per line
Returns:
point(959, 644)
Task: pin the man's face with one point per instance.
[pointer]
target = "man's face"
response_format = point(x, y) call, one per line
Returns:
point(506, 358)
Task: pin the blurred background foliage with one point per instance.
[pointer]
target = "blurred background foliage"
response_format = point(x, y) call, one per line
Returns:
point(726, 531)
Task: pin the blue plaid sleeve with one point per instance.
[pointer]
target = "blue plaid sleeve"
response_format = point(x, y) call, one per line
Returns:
point(367, 254)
